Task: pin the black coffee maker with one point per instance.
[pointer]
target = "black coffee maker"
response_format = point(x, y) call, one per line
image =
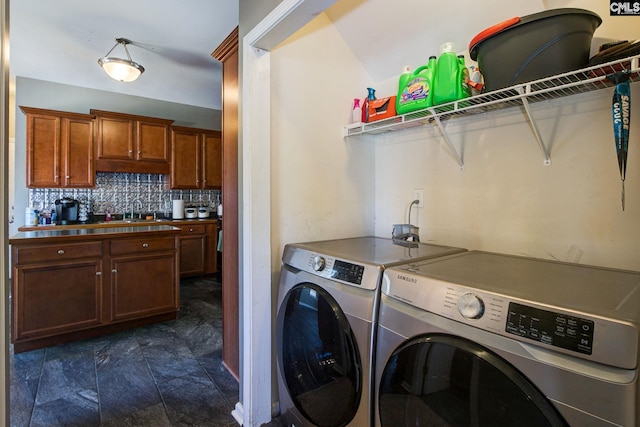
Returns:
point(67, 210)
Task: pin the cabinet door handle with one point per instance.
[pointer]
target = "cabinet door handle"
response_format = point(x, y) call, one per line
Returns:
point(98, 273)
point(68, 176)
point(190, 230)
point(139, 152)
point(60, 252)
point(145, 245)
point(114, 271)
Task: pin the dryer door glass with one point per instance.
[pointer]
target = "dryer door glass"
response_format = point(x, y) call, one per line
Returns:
point(318, 356)
point(441, 380)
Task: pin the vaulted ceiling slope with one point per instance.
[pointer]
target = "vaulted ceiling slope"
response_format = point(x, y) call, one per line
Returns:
point(60, 41)
point(386, 36)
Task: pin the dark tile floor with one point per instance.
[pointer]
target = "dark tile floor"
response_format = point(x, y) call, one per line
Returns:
point(168, 374)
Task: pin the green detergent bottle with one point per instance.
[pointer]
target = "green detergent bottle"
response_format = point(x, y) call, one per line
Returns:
point(449, 76)
point(465, 89)
point(415, 88)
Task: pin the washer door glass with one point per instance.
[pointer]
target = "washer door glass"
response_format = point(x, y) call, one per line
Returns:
point(441, 380)
point(318, 356)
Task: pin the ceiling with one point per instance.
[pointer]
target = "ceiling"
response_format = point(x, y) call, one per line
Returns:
point(60, 41)
point(386, 39)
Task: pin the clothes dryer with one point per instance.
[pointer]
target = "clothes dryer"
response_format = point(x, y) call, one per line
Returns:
point(483, 339)
point(325, 328)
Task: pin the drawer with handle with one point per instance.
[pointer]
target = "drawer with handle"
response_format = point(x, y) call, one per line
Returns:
point(56, 252)
point(193, 229)
point(141, 245)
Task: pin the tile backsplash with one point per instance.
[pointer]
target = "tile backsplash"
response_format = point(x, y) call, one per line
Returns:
point(119, 192)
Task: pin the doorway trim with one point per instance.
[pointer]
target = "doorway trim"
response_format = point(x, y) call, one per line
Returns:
point(255, 406)
point(4, 220)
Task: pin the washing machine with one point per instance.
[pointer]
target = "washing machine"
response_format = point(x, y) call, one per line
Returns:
point(485, 339)
point(327, 309)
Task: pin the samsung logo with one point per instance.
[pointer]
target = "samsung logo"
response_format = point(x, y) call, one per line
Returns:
point(406, 278)
point(618, 8)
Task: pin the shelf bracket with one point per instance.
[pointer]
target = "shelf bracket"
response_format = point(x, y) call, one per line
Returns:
point(443, 131)
point(534, 128)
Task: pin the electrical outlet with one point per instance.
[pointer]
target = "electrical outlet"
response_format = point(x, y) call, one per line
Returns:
point(418, 194)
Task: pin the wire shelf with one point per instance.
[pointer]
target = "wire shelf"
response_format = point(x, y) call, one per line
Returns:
point(575, 82)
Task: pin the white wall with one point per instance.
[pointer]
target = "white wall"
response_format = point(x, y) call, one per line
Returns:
point(322, 187)
point(506, 200)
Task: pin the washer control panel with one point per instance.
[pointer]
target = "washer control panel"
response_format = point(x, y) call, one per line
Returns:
point(557, 329)
point(614, 343)
point(361, 275)
point(499, 314)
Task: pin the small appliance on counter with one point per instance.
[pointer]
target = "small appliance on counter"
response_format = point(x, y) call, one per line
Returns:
point(178, 209)
point(203, 212)
point(67, 210)
point(190, 212)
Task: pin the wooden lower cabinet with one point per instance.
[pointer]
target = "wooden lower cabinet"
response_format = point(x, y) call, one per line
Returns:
point(84, 288)
point(198, 249)
point(193, 250)
point(59, 298)
point(143, 273)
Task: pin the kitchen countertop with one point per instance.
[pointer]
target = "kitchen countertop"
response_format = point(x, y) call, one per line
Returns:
point(119, 223)
point(73, 232)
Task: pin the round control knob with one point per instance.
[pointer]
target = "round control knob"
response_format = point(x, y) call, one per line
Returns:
point(471, 306)
point(318, 263)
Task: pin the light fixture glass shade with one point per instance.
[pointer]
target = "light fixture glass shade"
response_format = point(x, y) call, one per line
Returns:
point(122, 70)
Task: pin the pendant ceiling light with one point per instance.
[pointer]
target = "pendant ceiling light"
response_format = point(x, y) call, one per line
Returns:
point(123, 70)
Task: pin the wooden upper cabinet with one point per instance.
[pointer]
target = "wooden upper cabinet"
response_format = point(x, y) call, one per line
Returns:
point(130, 143)
point(114, 139)
point(153, 141)
point(185, 158)
point(77, 152)
point(212, 160)
point(196, 158)
point(59, 149)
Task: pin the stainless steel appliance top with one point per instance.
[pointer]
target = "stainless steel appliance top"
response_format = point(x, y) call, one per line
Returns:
point(377, 250)
point(594, 290)
point(357, 261)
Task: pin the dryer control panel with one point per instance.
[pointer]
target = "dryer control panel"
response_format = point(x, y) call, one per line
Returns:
point(557, 329)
